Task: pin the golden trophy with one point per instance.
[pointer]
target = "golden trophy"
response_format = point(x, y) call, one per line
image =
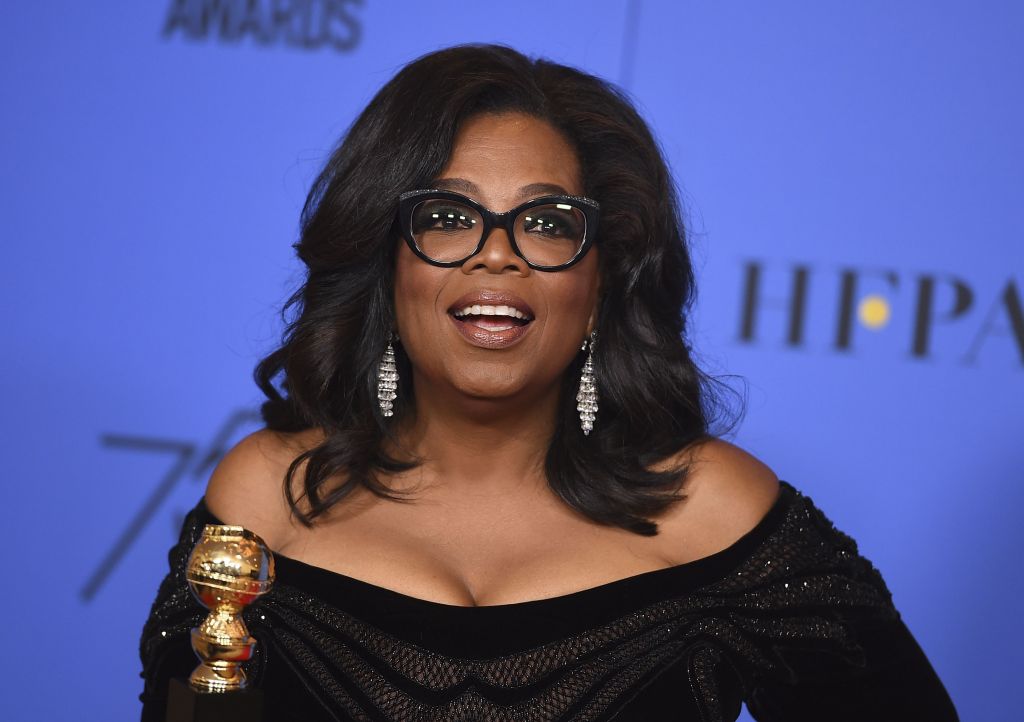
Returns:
point(229, 568)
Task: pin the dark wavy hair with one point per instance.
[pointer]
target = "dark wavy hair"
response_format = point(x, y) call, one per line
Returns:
point(654, 400)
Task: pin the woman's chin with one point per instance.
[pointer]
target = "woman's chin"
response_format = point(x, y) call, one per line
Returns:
point(485, 384)
point(486, 390)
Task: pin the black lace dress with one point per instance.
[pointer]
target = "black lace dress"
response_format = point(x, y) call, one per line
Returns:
point(789, 619)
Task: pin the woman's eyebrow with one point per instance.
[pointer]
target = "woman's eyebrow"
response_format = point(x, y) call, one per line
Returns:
point(537, 189)
point(462, 185)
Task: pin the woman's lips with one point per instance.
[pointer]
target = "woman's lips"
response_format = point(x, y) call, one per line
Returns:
point(490, 332)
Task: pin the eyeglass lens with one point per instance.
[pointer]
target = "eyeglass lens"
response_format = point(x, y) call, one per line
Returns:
point(547, 235)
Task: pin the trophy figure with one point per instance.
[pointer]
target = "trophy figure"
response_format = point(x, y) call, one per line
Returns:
point(230, 567)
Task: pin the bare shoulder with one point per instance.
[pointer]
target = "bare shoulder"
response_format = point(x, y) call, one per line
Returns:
point(728, 492)
point(247, 486)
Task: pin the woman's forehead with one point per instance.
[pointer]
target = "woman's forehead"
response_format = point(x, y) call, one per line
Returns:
point(506, 154)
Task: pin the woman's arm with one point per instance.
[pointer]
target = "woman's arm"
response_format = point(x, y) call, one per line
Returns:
point(834, 647)
point(896, 682)
point(165, 647)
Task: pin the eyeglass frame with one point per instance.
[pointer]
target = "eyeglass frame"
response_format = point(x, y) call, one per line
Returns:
point(590, 208)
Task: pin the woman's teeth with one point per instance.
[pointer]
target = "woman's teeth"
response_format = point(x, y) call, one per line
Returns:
point(492, 318)
point(477, 310)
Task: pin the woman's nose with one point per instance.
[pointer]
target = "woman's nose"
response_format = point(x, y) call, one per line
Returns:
point(497, 255)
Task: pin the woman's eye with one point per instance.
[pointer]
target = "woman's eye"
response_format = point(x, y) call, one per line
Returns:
point(550, 224)
point(443, 219)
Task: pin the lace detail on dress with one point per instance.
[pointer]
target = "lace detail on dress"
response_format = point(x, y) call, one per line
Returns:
point(563, 673)
point(803, 585)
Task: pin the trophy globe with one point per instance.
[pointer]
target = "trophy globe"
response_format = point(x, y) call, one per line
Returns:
point(229, 568)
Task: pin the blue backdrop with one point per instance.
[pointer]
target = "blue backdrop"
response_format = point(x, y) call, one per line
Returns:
point(853, 176)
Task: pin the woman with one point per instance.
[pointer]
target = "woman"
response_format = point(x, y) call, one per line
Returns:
point(489, 476)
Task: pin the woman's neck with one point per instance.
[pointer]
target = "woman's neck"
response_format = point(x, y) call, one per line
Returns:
point(479, 446)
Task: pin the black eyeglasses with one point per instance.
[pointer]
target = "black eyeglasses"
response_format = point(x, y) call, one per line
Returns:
point(446, 228)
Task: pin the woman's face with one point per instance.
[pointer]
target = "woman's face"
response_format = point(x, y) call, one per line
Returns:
point(500, 161)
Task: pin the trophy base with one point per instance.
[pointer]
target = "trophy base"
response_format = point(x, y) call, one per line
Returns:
point(184, 704)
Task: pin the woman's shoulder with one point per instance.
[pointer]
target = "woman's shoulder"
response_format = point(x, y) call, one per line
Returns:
point(247, 486)
point(728, 490)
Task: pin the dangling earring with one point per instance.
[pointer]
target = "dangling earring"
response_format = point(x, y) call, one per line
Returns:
point(586, 398)
point(387, 380)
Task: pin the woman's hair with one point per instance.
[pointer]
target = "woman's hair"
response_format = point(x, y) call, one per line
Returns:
point(654, 400)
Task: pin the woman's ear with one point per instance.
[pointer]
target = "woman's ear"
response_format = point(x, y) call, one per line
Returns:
point(592, 321)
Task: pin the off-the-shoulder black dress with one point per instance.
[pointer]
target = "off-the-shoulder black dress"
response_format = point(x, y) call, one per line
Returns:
point(790, 619)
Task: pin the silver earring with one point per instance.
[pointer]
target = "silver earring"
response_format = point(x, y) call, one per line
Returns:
point(387, 381)
point(586, 398)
